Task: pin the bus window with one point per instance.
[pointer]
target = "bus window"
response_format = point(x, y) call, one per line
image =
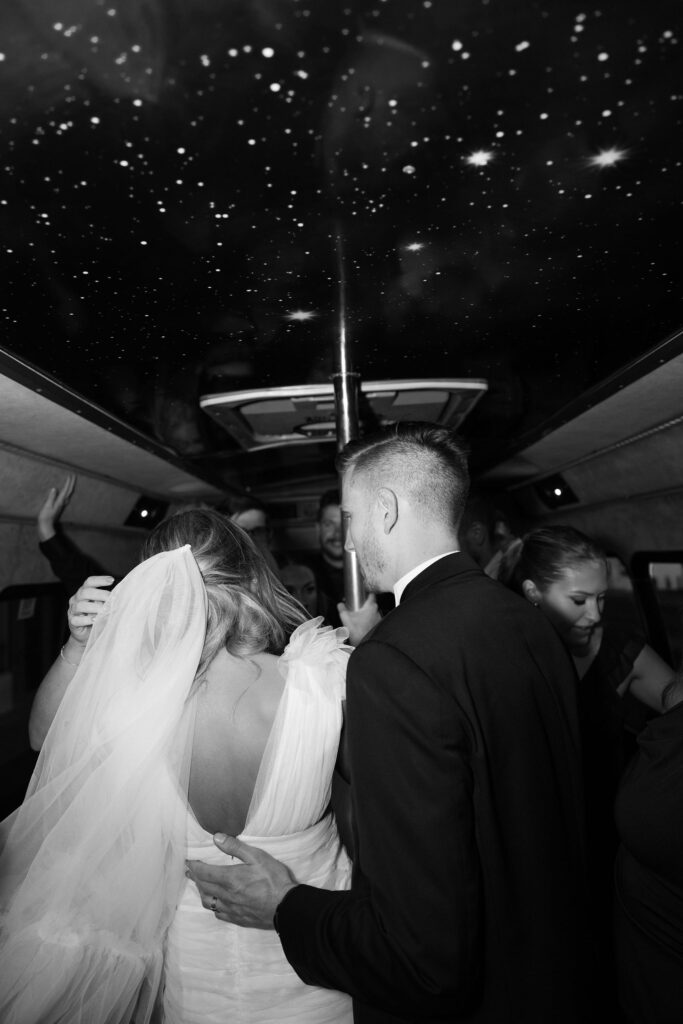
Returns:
point(621, 606)
point(667, 579)
point(658, 577)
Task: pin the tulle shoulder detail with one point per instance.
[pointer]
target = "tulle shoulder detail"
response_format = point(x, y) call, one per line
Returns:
point(315, 644)
point(294, 781)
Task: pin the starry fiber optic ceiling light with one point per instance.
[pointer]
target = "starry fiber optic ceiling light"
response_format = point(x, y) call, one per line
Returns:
point(271, 417)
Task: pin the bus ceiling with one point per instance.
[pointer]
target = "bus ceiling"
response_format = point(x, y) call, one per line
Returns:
point(215, 217)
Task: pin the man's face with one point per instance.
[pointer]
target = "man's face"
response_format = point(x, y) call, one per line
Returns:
point(330, 534)
point(363, 535)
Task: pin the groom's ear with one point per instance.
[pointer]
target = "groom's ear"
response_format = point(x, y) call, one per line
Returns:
point(388, 503)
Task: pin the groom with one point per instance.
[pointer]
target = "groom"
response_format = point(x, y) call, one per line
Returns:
point(468, 892)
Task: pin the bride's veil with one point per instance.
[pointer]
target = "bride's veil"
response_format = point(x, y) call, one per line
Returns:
point(93, 860)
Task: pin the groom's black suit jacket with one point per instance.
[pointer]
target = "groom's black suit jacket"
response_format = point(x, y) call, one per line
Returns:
point(468, 899)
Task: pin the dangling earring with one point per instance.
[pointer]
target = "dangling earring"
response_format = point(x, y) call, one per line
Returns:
point(536, 604)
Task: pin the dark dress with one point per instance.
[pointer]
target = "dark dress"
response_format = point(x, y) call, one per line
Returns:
point(603, 724)
point(649, 876)
point(605, 747)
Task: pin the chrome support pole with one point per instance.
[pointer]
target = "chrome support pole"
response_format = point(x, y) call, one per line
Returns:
point(346, 388)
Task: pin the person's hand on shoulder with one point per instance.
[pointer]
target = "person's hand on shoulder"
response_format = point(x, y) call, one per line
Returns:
point(53, 507)
point(84, 607)
point(86, 604)
point(360, 621)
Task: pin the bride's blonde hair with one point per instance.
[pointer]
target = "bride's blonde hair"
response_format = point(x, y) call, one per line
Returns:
point(249, 609)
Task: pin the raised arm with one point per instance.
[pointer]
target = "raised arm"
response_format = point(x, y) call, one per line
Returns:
point(84, 607)
point(51, 510)
point(69, 564)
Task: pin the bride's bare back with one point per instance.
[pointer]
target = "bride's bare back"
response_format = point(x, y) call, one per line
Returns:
point(236, 707)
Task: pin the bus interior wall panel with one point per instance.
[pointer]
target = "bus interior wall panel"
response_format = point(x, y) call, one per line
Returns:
point(644, 523)
point(645, 466)
point(93, 520)
point(30, 422)
point(95, 502)
point(21, 561)
point(648, 403)
point(20, 558)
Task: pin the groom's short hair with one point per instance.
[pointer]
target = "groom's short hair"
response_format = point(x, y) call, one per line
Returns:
point(425, 461)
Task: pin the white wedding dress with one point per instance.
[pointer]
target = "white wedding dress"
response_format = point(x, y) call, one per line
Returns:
point(98, 923)
point(218, 973)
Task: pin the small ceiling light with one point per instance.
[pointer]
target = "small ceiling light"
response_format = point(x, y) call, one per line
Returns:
point(554, 492)
point(146, 512)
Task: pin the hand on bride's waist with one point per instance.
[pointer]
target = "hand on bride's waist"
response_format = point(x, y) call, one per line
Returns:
point(246, 893)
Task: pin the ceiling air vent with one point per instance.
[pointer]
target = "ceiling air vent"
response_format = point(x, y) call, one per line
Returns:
point(300, 414)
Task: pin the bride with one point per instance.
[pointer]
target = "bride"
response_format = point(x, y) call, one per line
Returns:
point(179, 718)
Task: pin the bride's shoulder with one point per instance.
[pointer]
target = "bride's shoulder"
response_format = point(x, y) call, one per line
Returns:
point(314, 643)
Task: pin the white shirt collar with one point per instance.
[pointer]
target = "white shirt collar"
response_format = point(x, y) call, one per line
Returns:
point(401, 584)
